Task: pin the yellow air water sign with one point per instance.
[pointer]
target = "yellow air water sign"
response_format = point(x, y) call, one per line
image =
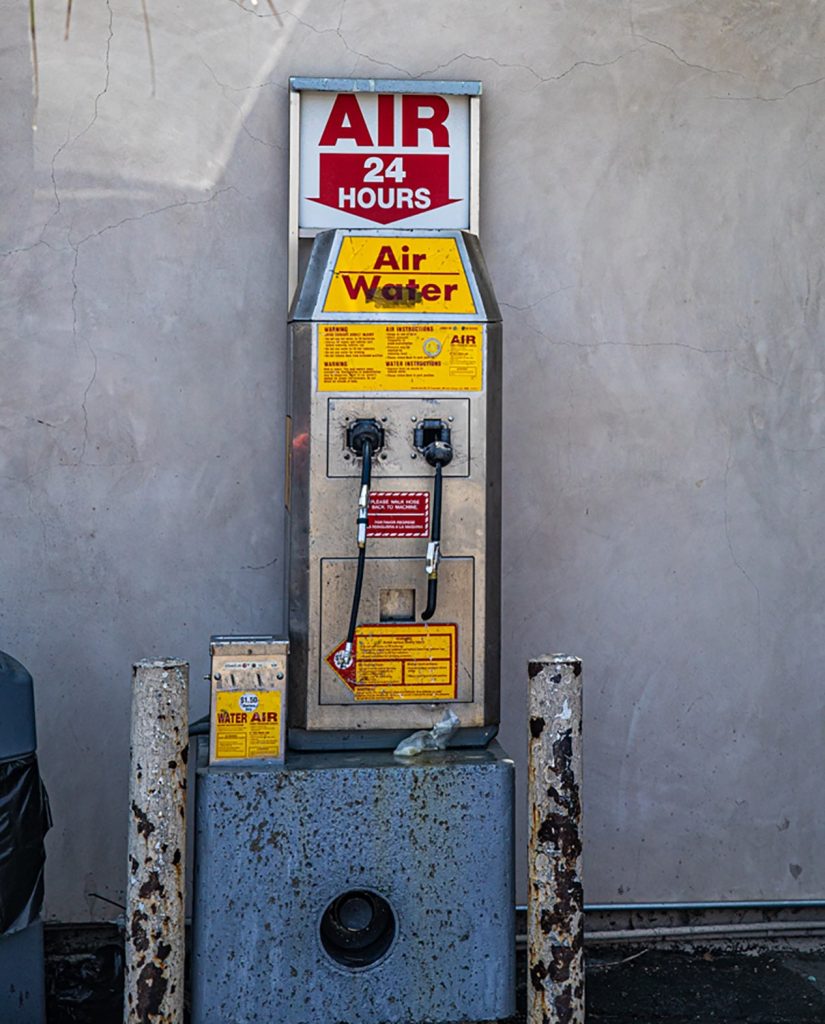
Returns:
point(399, 276)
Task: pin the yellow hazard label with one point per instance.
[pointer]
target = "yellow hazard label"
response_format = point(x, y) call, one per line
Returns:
point(247, 724)
point(400, 357)
point(399, 275)
point(401, 663)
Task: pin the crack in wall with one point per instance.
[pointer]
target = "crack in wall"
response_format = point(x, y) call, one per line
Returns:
point(152, 213)
point(266, 565)
point(87, 389)
point(67, 142)
point(76, 246)
point(226, 87)
point(105, 88)
point(263, 16)
point(539, 301)
point(771, 99)
point(558, 342)
point(649, 41)
point(26, 248)
point(242, 115)
point(543, 79)
point(84, 406)
point(358, 53)
point(682, 60)
point(258, 139)
point(55, 190)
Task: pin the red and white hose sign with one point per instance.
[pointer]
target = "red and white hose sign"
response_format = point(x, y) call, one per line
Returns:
point(400, 159)
point(399, 514)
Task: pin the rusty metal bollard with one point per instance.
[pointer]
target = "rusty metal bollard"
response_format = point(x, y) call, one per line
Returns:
point(155, 892)
point(555, 907)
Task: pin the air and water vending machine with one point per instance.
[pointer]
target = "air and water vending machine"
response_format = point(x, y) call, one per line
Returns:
point(349, 884)
point(395, 490)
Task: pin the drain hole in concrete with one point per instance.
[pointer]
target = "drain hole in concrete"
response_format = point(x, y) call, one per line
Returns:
point(357, 928)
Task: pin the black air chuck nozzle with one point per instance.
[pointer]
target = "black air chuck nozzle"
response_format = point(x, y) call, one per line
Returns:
point(362, 431)
point(433, 439)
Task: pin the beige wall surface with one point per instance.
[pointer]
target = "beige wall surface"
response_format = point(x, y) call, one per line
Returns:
point(653, 221)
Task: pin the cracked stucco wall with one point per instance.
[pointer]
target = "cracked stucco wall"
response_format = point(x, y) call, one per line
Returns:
point(653, 221)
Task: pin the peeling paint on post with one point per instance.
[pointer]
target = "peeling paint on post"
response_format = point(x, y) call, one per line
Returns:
point(555, 908)
point(157, 843)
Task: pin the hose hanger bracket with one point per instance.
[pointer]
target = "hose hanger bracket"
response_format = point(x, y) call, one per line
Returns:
point(433, 439)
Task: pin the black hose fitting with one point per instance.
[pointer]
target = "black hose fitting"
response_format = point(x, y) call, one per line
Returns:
point(361, 431)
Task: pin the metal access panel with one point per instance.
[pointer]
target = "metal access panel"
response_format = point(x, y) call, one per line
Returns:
point(401, 332)
point(248, 676)
point(303, 913)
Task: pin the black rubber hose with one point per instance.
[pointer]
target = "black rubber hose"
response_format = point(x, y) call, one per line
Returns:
point(366, 465)
point(366, 478)
point(356, 595)
point(435, 537)
point(200, 727)
point(432, 598)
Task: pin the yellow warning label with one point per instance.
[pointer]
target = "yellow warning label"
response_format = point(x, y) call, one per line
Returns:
point(400, 663)
point(400, 357)
point(399, 275)
point(247, 724)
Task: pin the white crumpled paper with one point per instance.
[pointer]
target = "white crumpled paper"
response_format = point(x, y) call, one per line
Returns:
point(436, 738)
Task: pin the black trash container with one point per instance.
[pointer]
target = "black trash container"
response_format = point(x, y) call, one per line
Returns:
point(24, 821)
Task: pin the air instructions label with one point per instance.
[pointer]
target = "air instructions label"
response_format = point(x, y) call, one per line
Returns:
point(380, 274)
point(401, 663)
point(400, 357)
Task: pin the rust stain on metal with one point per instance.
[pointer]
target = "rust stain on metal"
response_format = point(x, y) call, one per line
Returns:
point(140, 940)
point(556, 899)
point(151, 887)
point(155, 891)
point(538, 972)
point(151, 988)
point(144, 825)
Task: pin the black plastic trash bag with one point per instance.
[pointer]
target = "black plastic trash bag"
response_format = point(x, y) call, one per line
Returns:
point(25, 819)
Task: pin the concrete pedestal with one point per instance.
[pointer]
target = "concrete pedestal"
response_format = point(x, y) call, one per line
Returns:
point(22, 983)
point(355, 888)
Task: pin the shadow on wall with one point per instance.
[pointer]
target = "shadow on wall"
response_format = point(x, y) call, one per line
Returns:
point(146, 250)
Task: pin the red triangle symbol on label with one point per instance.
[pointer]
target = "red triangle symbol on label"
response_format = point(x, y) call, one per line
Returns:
point(343, 664)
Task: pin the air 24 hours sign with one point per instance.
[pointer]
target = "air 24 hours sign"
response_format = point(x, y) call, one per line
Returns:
point(376, 158)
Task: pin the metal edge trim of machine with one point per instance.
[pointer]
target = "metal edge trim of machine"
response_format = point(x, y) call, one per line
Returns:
point(378, 739)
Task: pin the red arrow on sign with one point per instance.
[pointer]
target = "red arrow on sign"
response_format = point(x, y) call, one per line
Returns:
point(384, 187)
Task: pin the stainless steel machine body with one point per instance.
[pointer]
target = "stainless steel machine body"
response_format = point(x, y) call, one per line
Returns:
point(402, 362)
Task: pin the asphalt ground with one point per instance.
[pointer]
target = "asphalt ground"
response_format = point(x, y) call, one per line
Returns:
point(623, 986)
point(649, 986)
